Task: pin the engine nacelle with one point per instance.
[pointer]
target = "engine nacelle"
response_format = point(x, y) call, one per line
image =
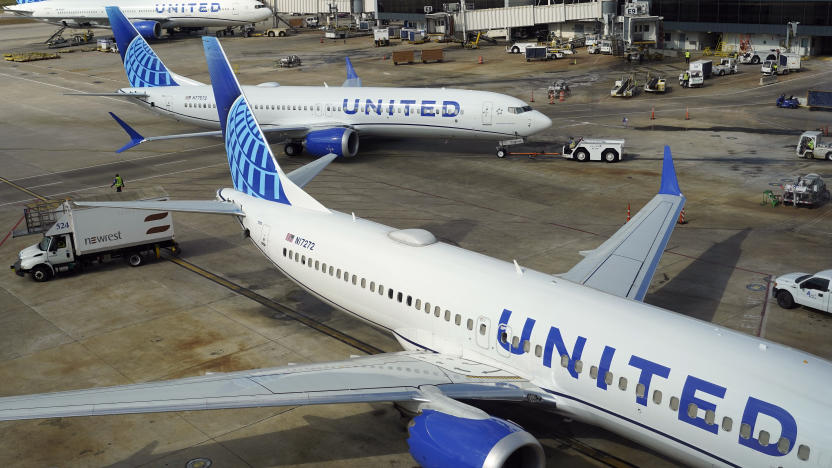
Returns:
point(341, 141)
point(149, 29)
point(441, 440)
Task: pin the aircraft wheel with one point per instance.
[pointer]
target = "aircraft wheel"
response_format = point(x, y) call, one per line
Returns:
point(292, 149)
point(501, 153)
point(785, 300)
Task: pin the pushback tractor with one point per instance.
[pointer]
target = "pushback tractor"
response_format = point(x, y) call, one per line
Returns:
point(75, 238)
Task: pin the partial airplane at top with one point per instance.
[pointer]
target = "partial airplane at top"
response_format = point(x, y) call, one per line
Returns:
point(324, 120)
point(580, 344)
point(150, 17)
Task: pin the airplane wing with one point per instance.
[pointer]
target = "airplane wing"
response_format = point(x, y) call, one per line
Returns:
point(404, 376)
point(188, 206)
point(116, 94)
point(625, 263)
point(136, 138)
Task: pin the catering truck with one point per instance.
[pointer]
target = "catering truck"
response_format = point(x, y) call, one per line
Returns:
point(76, 237)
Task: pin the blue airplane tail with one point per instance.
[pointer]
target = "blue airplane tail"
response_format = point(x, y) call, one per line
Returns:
point(254, 170)
point(143, 67)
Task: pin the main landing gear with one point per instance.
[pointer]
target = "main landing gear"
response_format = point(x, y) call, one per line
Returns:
point(293, 149)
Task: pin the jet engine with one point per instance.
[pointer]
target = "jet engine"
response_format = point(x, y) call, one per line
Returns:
point(440, 440)
point(341, 141)
point(149, 29)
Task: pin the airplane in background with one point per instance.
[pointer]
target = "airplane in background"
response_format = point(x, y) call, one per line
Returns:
point(323, 120)
point(581, 344)
point(148, 17)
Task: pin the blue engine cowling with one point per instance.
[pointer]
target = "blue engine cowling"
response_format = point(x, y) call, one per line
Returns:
point(439, 440)
point(149, 29)
point(341, 141)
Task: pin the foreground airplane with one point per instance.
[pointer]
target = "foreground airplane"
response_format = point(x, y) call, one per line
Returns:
point(324, 120)
point(150, 17)
point(581, 344)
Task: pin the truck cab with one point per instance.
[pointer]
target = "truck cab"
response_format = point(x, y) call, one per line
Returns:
point(795, 289)
point(726, 66)
point(49, 256)
point(811, 145)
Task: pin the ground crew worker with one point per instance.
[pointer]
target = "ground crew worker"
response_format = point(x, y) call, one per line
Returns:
point(774, 69)
point(686, 79)
point(810, 145)
point(687, 57)
point(118, 183)
point(572, 144)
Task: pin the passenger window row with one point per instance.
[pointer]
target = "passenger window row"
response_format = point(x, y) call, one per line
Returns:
point(201, 105)
point(399, 296)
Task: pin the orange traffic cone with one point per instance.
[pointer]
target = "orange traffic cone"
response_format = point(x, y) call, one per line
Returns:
point(531, 98)
point(480, 60)
point(653, 114)
point(562, 96)
point(682, 217)
point(322, 39)
point(628, 212)
point(687, 114)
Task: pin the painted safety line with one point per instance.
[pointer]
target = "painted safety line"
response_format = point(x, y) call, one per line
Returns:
point(309, 322)
point(22, 189)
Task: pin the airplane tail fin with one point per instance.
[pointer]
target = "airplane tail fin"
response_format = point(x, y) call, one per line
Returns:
point(254, 169)
point(143, 67)
point(352, 81)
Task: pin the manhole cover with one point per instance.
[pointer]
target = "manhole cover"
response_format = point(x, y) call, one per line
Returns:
point(756, 287)
point(199, 463)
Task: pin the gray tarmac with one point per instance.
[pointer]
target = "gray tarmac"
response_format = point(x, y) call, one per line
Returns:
point(116, 325)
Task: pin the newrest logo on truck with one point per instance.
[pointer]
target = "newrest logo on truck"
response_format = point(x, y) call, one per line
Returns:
point(102, 238)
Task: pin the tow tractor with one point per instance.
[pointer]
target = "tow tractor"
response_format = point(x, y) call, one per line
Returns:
point(790, 102)
point(584, 149)
point(654, 84)
point(811, 146)
point(726, 66)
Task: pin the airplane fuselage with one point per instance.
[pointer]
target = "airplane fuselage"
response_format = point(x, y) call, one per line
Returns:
point(91, 13)
point(410, 112)
point(701, 393)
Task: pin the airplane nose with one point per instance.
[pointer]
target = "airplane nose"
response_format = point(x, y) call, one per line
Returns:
point(540, 122)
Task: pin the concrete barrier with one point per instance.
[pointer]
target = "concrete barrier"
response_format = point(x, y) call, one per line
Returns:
point(768, 79)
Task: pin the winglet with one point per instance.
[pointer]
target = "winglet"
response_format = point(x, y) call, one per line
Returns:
point(670, 184)
point(143, 67)
point(352, 81)
point(135, 137)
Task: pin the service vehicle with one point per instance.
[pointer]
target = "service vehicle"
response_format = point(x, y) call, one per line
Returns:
point(74, 238)
point(793, 61)
point(290, 61)
point(559, 85)
point(279, 32)
point(811, 145)
point(382, 36)
point(536, 53)
point(625, 87)
point(520, 47)
point(795, 289)
point(705, 67)
point(816, 99)
point(726, 66)
point(655, 84)
point(809, 190)
point(588, 149)
point(603, 46)
point(695, 79)
point(790, 102)
point(312, 21)
point(782, 66)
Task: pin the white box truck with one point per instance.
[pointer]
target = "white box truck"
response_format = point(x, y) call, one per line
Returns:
point(76, 237)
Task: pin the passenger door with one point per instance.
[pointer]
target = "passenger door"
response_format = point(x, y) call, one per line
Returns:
point(60, 250)
point(264, 238)
point(486, 113)
point(815, 293)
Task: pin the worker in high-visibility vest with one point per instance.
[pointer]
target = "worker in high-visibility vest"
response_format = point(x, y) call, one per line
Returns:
point(774, 69)
point(118, 183)
point(687, 57)
point(686, 80)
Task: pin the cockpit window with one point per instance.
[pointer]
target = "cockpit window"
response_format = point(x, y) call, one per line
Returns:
point(519, 110)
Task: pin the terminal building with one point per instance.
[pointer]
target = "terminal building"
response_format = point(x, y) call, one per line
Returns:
point(803, 26)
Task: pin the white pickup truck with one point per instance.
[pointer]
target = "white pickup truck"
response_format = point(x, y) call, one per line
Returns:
point(795, 289)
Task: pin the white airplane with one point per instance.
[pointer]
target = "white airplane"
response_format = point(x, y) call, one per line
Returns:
point(581, 344)
point(324, 120)
point(149, 17)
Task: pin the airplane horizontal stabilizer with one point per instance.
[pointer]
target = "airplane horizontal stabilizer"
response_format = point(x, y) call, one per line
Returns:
point(188, 206)
point(304, 174)
point(625, 263)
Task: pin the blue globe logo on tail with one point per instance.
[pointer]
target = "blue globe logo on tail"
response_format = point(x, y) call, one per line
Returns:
point(143, 67)
point(253, 170)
